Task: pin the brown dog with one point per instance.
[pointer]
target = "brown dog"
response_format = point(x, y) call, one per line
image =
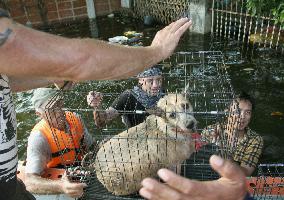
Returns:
point(159, 142)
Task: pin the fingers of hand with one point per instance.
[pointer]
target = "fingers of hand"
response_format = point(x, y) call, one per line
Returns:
point(227, 169)
point(99, 118)
point(154, 190)
point(94, 99)
point(183, 28)
point(75, 193)
point(64, 176)
point(214, 136)
point(179, 24)
point(176, 28)
point(75, 186)
point(145, 193)
point(179, 183)
point(169, 27)
point(74, 190)
point(95, 94)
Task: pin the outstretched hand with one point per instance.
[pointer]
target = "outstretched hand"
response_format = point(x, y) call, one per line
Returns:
point(231, 186)
point(167, 39)
point(74, 190)
point(94, 99)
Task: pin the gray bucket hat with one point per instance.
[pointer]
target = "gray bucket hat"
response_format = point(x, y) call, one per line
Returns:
point(43, 98)
point(153, 71)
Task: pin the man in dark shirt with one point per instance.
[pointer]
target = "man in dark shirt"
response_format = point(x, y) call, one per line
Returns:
point(131, 104)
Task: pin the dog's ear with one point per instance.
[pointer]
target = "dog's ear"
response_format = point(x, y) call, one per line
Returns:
point(156, 111)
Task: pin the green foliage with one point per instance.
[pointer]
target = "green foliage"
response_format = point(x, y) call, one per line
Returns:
point(272, 8)
point(278, 14)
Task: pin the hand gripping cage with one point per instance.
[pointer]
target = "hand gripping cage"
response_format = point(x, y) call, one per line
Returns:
point(120, 158)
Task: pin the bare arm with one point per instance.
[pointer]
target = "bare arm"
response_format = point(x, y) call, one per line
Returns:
point(31, 53)
point(38, 185)
point(18, 84)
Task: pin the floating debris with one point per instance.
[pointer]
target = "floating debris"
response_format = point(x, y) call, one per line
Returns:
point(265, 38)
point(111, 15)
point(277, 113)
point(134, 39)
point(131, 38)
point(118, 39)
point(132, 34)
point(248, 69)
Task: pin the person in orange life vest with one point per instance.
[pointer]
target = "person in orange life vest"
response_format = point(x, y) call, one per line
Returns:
point(43, 152)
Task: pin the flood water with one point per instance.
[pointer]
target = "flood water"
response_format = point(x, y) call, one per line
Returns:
point(260, 74)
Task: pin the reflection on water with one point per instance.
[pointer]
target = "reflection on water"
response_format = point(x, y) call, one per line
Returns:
point(257, 71)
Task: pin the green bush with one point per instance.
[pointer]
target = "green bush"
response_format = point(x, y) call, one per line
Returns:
point(271, 8)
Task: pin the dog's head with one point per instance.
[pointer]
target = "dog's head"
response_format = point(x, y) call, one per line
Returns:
point(177, 112)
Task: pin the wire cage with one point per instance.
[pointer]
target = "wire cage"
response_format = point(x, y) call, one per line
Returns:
point(120, 157)
point(269, 183)
point(164, 11)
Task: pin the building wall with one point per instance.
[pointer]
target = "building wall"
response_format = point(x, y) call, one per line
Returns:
point(39, 12)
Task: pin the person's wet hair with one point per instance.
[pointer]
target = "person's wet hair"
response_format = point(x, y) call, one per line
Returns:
point(246, 97)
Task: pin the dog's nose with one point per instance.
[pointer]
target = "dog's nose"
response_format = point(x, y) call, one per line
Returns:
point(190, 125)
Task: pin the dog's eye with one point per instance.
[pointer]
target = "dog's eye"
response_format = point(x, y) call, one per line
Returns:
point(173, 115)
point(185, 106)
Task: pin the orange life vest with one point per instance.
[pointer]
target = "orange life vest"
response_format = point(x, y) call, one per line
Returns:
point(65, 147)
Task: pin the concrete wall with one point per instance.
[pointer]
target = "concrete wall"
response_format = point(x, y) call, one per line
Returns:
point(201, 16)
point(39, 12)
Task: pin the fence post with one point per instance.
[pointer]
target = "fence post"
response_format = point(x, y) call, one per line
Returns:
point(126, 3)
point(94, 28)
point(91, 9)
point(200, 15)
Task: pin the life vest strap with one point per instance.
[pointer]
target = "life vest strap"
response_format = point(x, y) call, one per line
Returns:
point(64, 151)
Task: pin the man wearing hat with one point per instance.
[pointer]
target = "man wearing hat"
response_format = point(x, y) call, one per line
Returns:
point(59, 139)
point(143, 96)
